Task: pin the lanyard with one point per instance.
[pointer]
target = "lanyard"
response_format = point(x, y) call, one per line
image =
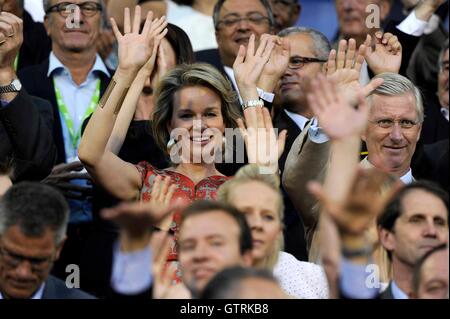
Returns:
point(75, 136)
point(16, 62)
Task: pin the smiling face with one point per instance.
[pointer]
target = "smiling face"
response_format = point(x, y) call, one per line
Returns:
point(260, 204)
point(18, 277)
point(422, 225)
point(294, 84)
point(197, 113)
point(208, 243)
point(443, 81)
point(229, 38)
point(72, 39)
point(394, 146)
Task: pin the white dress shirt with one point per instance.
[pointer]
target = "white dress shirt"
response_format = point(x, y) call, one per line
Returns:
point(444, 112)
point(298, 119)
point(397, 292)
point(266, 96)
point(37, 295)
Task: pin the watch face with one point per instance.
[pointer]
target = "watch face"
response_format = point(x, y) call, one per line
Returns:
point(17, 85)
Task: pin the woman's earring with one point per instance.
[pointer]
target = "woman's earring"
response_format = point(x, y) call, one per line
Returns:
point(170, 144)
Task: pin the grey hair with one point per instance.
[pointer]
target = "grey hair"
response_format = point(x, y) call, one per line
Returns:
point(34, 207)
point(396, 84)
point(442, 53)
point(219, 6)
point(322, 45)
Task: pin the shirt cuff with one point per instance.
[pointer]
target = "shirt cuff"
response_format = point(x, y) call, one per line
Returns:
point(412, 25)
point(131, 271)
point(353, 281)
point(316, 134)
point(266, 96)
point(3, 103)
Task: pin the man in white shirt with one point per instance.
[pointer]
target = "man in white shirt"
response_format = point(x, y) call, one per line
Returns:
point(394, 126)
point(415, 222)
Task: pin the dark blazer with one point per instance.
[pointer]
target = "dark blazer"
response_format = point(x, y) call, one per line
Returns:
point(57, 289)
point(36, 44)
point(37, 83)
point(284, 122)
point(387, 294)
point(435, 126)
point(26, 125)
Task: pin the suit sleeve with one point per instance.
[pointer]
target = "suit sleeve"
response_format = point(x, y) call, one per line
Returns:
point(307, 160)
point(28, 122)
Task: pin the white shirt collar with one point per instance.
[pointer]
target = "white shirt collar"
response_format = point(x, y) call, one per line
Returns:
point(444, 112)
point(37, 295)
point(407, 178)
point(55, 64)
point(397, 292)
point(300, 120)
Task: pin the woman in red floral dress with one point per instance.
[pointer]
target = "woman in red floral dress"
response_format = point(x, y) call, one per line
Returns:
point(194, 105)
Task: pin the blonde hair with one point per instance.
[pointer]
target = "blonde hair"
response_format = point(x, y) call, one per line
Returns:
point(188, 75)
point(251, 173)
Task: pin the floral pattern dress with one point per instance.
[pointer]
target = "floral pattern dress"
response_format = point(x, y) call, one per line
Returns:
point(187, 192)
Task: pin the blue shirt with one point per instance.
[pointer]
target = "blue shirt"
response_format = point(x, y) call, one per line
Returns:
point(77, 99)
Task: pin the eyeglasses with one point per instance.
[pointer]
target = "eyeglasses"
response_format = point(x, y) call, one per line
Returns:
point(299, 62)
point(89, 8)
point(13, 260)
point(255, 19)
point(282, 4)
point(388, 123)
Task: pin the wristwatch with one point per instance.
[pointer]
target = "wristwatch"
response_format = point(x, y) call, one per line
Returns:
point(253, 103)
point(14, 86)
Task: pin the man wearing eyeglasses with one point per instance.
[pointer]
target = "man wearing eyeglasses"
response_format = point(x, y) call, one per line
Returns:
point(73, 79)
point(235, 21)
point(394, 126)
point(33, 222)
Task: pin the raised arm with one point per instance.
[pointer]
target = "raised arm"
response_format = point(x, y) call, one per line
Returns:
point(120, 178)
point(126, 114)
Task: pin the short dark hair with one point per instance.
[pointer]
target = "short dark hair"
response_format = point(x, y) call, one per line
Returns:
point(206, 206)
point(34, 207)
point(227, 283)
point(219, 6)
point(393, 209)
point(417, 274)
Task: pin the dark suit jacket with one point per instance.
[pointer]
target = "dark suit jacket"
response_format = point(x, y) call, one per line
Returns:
point(435, 126)
point(387, 294)
point(26, 137)
point(37, 83)
point(57, 289)
point(284, 122)
point(36, 45)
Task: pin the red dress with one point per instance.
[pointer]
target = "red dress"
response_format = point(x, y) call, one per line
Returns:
point(186, 192)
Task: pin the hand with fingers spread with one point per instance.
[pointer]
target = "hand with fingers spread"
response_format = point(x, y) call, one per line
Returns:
point(276, 66)
point(11, 39)
point(264, 147)
point(136, 48)
point(163, 273)
point(344, 69)
point(370, 191)
point(385, 55)
point(137, 219)
point(336, 116)
point(249, 65)
point(63, 174)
